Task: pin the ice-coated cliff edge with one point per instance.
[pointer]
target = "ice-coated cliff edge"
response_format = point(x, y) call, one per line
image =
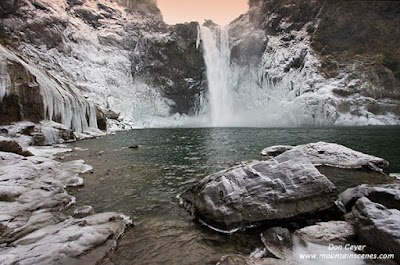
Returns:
point(285, 63)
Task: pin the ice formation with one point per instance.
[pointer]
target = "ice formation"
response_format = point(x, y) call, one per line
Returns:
point(263, 89)
point(61, 102)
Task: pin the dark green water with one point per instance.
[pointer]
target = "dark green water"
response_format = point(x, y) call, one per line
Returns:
point(143, 183)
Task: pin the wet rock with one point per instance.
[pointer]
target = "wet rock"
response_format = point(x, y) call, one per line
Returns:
point(377, 226)
point(276, 150)
point(333, 231)
point(135, 146)
point(101, 119)
point(284, 187)
point(83, 211)
point(331, 154)
point(12, 147)
point(387, 195)
point(278, 242)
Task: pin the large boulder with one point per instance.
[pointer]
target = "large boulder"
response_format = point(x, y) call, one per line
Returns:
point(284, 187)
point(378, 227)
point(331, 154)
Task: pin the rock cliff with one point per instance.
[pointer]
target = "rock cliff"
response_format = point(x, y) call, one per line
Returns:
point(119, 54)
point(337, 62)
point(290, 62)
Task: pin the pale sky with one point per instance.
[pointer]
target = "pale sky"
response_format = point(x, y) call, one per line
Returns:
point(220, 11)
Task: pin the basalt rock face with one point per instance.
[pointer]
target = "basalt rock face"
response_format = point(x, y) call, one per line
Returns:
point(363, 34)
point(175, 64)
point(24, 101)
point(284, 187)
point(337, 62)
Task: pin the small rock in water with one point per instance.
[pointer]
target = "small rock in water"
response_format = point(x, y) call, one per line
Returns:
point(331, 154)
point(135, 146)
point(278, 242)
point(83, 211)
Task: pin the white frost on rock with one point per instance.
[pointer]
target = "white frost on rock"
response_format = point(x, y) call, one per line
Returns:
point(32, 200)
point(284, 187)
point(64, 242)
point(331, 154)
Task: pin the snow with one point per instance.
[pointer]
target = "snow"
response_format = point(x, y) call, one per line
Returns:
point(35, 229)
point(97, 63)
point(59, 99)
point(331, 154)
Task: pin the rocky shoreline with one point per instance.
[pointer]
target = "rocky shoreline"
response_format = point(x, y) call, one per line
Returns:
point(35, 227)
point(288, 194)
point(300, 208)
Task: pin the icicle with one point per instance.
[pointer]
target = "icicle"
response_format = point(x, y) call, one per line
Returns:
point(92, 116)
point(61, 103)
point(4, 80)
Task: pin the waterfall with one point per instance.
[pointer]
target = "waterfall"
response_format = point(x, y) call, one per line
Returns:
point(216, 50)
point(245, 93)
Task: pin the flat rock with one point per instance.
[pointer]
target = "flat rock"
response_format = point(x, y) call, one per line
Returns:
point(327, 232)
point(34, 228)
point(331, 154)
point(63, 242)
point(283, 187)
point(377, 226)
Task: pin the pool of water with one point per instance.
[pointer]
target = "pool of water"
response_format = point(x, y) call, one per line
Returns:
point(143, 183)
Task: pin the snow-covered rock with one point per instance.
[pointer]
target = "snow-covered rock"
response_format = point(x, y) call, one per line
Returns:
point(331, 154)
point(34, 227)
point(67, 242)
point(284, 187)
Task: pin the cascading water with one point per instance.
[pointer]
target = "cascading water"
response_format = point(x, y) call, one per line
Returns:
point(216, 50)
point(247, 90)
